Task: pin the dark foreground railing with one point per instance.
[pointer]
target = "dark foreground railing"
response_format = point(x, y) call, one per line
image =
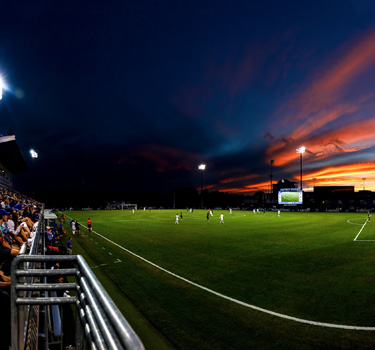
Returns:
point(99, 323)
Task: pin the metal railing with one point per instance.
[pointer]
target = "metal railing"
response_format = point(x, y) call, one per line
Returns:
point(99, 323)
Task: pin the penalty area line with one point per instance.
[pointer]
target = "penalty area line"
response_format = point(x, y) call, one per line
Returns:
point(239, 302)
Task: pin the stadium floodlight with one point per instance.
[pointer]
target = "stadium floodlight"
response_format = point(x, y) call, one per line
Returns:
point(202, 167)
point(33, 154)
point(1, 88)
point(301, 150)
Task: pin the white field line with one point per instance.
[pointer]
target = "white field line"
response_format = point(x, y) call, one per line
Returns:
point(354, 223)
point(113, 220)
point(239, 302)
point(360, 231)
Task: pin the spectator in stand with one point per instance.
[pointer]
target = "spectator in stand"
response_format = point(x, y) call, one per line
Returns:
point(4, 280)
point(6, 252)
point(16, 231)
point(56, 279)
point(4, 202)
point(6, 232)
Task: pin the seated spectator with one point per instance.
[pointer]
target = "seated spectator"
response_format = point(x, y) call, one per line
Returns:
point(16, 231)
point(6, 252)
point(4, 280)
point(7, 238)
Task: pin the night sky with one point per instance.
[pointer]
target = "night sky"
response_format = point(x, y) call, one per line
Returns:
point(134, 95)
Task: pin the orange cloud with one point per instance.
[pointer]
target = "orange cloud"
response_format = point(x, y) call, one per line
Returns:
point(350, 170)
point(345, 139)
point(352, 174)
point(327, 88)
point(261, 186)
point(319, 104)
point(237, 190)
point(238, 178)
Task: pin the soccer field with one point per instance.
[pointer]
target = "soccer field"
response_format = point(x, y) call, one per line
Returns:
point(259, 281)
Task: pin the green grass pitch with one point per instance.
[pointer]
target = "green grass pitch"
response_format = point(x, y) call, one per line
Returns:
point(304, 265)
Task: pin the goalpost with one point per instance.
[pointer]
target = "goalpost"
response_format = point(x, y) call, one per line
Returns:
point(129, 206)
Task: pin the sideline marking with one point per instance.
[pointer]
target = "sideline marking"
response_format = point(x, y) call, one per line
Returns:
point(95, 267)
point(360, 231)
point(110, 221)
point(287, 317)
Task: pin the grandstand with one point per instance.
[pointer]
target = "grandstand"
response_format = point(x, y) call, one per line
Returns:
point(11, 160)
point(49, 290)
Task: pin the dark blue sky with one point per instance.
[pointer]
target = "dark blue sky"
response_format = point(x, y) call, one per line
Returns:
point(134, 95)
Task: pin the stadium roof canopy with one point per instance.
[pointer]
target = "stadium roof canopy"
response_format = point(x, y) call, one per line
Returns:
point(11, 156)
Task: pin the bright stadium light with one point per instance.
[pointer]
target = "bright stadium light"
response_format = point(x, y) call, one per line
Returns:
point(33, 154)
point(202, 167)
point(1, 88)
point(301, 150)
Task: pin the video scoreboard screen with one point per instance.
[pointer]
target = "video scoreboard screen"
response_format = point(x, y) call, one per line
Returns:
point(290, 196)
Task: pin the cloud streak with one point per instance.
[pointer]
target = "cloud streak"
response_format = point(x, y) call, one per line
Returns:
point(327, 119)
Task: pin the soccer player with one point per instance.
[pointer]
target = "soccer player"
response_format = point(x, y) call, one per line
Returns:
point(221, 218)
point(369, 216)
point(177, 217)
point(78, 230)
point(278, 212)
point(89, 223)
point(73, 226)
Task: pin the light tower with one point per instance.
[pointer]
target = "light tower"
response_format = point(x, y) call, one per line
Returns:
point(202, 167)
point(271, 175)
point(301, 150)
point(34, 155)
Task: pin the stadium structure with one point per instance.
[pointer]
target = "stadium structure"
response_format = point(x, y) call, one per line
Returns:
point(53, 306)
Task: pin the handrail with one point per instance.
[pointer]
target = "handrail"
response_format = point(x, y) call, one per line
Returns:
point(101, 320)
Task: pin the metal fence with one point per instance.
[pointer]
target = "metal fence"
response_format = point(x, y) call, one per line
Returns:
point(99, 323)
